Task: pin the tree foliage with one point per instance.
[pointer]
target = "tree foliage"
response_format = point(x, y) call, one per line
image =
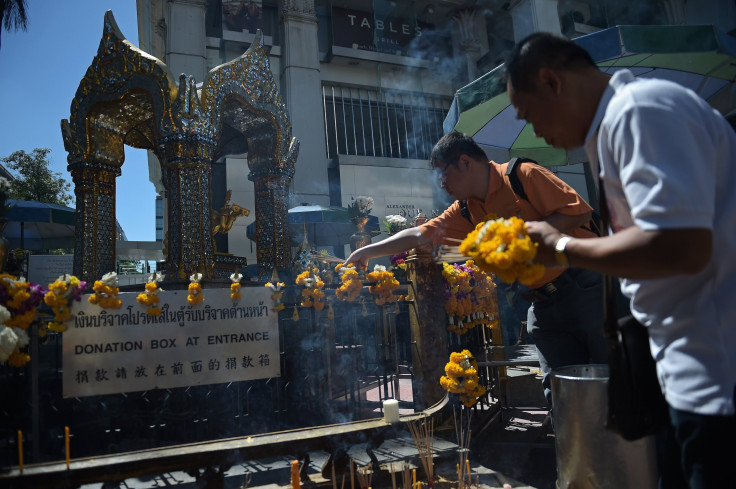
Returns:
point(34, 180)
point(13, 15)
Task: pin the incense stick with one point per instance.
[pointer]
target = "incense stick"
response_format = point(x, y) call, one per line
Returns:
point(463, 443)
point(352, 474)
point(406, 477)
point(334, 477)
point(365, 474)
point(423, 434)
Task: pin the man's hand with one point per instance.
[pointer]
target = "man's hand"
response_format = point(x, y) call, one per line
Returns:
point(401, 241)
point(359, 258)
point(631, 252)
point(546, 236)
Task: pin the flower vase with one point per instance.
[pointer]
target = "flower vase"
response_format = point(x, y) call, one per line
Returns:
point(4, 245)
point(360, 237)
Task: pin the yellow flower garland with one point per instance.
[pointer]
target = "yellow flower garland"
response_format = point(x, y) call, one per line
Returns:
point(503, 247)
point(277, 295)
point(106, 292)
point(195, 295)
point(385, 283)
point(462, 378)
point(150, 297)
point(469, 297)
point(58, 296)
point(351, 283)
point(235, 286)
point(312, 294)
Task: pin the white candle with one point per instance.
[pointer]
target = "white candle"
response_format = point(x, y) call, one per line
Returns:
point(391, 411)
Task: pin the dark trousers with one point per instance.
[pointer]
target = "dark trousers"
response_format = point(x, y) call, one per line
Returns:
point(701, 446)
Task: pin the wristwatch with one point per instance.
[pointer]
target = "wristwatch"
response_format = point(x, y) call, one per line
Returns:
point(560, 254)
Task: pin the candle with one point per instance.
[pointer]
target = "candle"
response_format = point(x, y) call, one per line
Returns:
point(413, 478)
point(295, 474)
point(391, 411)
point(66, 444)
point(20, 451)
point(467, 465)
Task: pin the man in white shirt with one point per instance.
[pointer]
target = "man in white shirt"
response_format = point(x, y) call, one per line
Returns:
point(667, 161)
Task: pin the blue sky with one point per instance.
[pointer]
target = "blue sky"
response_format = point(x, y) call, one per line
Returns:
point(40, 70)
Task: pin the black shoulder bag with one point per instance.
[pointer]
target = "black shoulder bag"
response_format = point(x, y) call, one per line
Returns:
point(636, 406)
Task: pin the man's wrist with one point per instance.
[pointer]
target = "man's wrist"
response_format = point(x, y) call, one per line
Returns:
point(561, 251)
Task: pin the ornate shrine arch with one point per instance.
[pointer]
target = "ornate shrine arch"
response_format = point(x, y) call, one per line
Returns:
point(129, 97)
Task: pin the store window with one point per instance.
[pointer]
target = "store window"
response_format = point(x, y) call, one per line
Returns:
point(382, 123)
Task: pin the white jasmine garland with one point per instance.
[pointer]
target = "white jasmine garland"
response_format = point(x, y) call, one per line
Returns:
point(344, 269)
point(235, 277)
point(4, 314)
point(156, 277)
point(379, 268)
point(22, 337)
point(110, 279)
point(8, 342)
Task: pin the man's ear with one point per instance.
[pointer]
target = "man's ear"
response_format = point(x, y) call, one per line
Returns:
point(548, 79)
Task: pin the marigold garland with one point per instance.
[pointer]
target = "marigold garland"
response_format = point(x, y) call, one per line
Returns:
point(462, 378)
point(195, 295)
point(65, 289)
point(150, 297)
point(106, 292)
point(351, 283)
point(469, 297)
point(235, 286)
point(277, 295)
point(503, 247)
point(19, 301)
point(312, 294)
point(385, 283)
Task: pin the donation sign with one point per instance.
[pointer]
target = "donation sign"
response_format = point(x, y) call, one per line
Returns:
point(108, 351)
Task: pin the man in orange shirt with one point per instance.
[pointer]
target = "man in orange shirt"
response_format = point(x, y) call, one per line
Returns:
point(565, 318)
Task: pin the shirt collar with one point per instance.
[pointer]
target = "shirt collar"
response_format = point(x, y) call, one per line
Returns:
point(619, 78)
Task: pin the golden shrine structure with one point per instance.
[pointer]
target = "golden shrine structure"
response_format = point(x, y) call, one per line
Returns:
point(129, 97)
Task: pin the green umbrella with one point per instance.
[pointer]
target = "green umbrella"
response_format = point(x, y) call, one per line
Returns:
point(701, 58)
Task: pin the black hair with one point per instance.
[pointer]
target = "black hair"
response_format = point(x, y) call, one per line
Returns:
point(451, 146)
point(543, 50)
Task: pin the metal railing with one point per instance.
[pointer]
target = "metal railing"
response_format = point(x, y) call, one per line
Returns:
point(332, 371)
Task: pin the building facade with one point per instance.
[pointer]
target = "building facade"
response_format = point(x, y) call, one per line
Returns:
point(368, 83)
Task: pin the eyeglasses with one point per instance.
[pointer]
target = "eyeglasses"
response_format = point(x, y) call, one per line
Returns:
point(442, 172)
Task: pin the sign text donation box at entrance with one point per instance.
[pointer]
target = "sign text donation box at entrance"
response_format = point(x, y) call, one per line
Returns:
point(126, 350)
